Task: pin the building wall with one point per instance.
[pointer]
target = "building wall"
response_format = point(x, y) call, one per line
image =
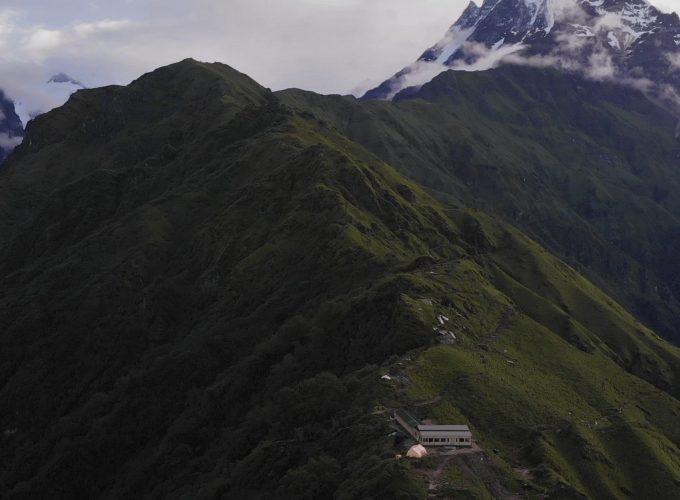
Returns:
point(431, 438)
point(435, 437)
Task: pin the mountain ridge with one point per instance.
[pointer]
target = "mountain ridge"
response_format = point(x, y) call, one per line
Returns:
point(202, 299)
point(539, 137)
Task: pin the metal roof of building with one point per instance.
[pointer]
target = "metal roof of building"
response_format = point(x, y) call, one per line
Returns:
point(454, 428)
point(408, 418)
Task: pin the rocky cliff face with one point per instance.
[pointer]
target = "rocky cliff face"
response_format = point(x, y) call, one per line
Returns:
point(11, 128)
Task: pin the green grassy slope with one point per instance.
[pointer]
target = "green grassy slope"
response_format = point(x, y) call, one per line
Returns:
point(544, 372)
point(202, 286)
point(587, 169)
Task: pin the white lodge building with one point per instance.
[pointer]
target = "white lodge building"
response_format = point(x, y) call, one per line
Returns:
point(445, 435)
point(434, 435)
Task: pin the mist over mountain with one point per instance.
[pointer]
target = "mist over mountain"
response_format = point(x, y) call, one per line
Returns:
point(11, 128)
point(14, 116)
point(627, 42)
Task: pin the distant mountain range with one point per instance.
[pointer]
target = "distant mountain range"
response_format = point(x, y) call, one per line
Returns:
point(625, 41)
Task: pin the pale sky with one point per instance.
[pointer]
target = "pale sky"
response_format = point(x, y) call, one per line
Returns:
point(329, 46)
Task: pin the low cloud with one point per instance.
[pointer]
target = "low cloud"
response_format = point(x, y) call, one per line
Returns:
point(568, 11)
point(327, 46)
point(418, 74)
point(486, 58)
point(105, 26)
point(599, 66)
point(6, 28)
point(41, 43)
point(674, 61)
point(8, 143)
point(34, 54)
point(421, 72)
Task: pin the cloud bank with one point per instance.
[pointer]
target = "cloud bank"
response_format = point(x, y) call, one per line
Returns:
point(9, 143)
point(329, 46)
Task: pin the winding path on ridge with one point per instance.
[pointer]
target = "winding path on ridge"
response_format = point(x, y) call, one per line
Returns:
point(485, 340)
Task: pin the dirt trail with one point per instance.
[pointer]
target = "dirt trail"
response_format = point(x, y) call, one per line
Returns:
point(428, 402)
point(434, 477)
point(475, 463)
point(485, 340)
point(481, 466)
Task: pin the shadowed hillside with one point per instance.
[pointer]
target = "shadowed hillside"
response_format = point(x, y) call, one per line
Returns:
point(203, 282)
point(588, 169)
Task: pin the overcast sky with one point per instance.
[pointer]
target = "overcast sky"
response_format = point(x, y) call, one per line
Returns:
point(329, 46)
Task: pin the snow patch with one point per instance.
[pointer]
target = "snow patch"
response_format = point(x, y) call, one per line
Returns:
point(452, 42)
point(638, 15)
point(582, 31)
point(613, 41)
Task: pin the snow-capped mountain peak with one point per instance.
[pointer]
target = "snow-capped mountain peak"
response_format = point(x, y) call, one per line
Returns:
point(54, 92)
point(529, 17)
point(614, 38)
point(64, 78)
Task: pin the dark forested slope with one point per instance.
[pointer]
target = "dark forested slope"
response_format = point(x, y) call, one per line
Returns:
point(203, 281)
